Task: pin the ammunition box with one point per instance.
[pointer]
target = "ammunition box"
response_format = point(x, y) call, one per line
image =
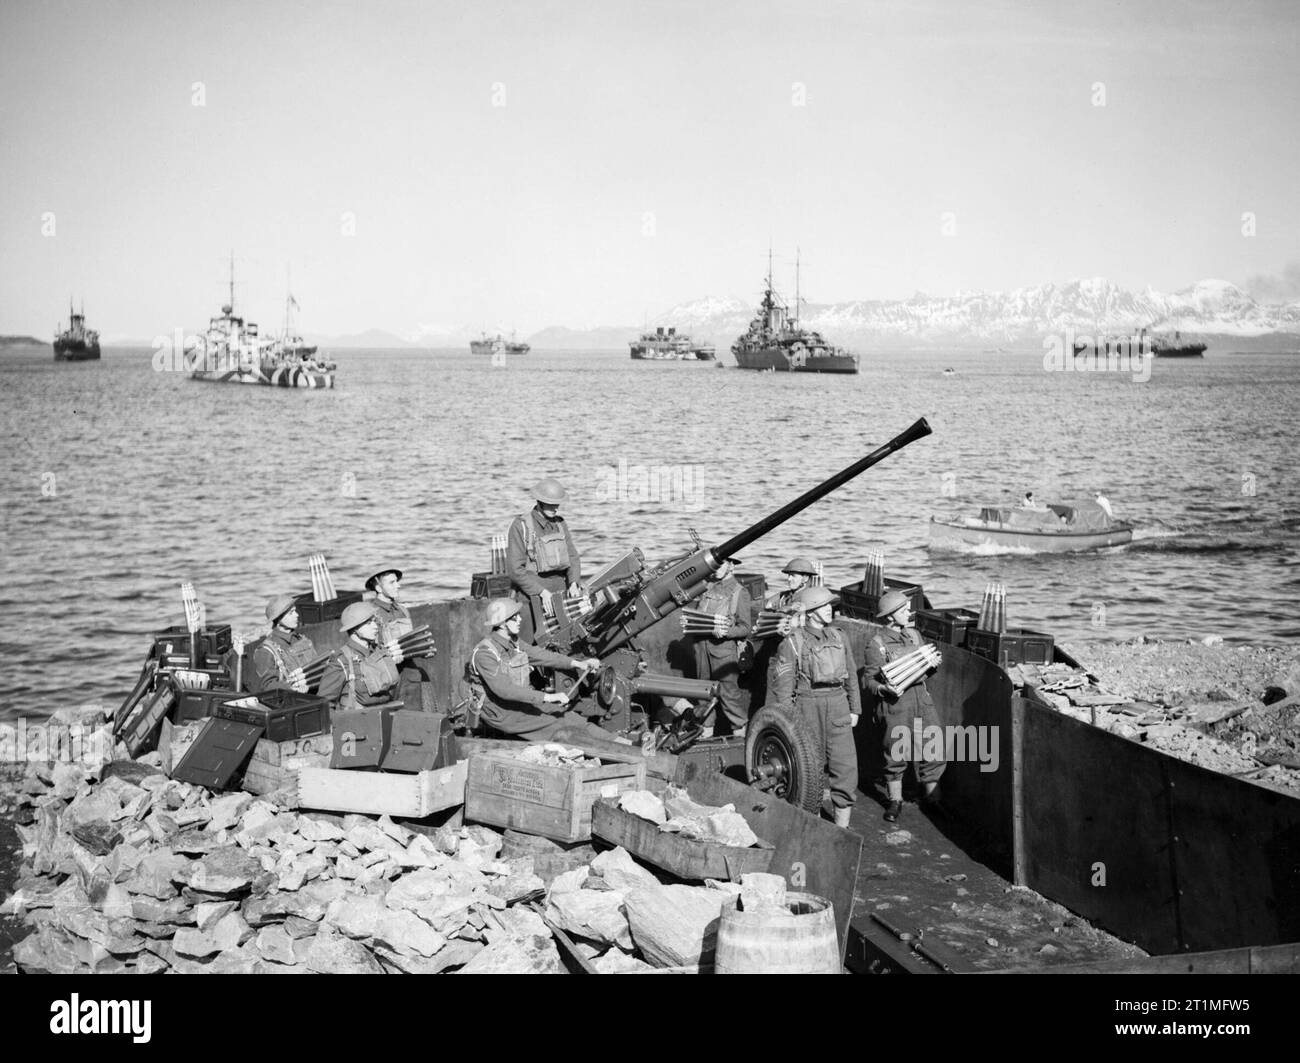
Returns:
point(311, 611)
point(418, 741)
point(283, 715)
point(856, 603)
point(489, 585)
point(1014, 646)
point(946, 625)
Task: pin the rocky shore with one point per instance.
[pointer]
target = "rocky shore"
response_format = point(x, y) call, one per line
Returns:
point(135, 872)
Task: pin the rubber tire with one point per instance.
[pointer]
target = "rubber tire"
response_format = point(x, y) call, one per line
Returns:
point(806, 785)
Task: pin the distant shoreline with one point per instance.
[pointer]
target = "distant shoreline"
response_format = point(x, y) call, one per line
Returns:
point(22, 341)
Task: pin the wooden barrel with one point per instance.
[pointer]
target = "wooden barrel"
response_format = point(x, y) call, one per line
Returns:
point(800, 940)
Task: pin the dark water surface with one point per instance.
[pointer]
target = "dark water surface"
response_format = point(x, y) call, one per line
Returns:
point(121, 482)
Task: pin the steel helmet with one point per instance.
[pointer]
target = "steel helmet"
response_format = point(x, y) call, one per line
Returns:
point(500, 610)
point(890, 603)
point(278, 606)
point(800, 566)
point(549, 491)
point(355, 615)
point(373, 578)
point(811, 598)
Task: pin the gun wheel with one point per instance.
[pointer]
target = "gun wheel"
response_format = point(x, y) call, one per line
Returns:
point(782, 758)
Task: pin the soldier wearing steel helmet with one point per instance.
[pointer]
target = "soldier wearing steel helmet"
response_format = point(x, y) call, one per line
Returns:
point(279, 660)
point(815, 677)
point(498, 672)
point(361, 672)
point(395, 621)
point(901, 709)
point(799, 574)
point(541, 558)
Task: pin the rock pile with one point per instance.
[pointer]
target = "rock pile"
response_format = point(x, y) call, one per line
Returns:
point(134, 872)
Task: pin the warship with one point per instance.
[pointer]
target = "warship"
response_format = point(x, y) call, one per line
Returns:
point(775, 341)
point(76, 343)
point(666, 345)
point(497, 344)
point(231, 351)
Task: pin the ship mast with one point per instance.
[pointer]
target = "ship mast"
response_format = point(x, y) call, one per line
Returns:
point(796, 287)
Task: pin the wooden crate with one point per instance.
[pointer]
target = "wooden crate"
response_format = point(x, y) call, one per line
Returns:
point(413, 796)
point(684, 857)
point(276, 753)
point(553, 801)
point(263, 777)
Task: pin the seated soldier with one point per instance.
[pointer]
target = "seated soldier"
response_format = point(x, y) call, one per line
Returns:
point(279, 661)
point(361, 672)
point(498, 671)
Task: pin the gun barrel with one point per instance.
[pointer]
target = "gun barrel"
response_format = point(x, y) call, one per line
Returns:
point(756, 531)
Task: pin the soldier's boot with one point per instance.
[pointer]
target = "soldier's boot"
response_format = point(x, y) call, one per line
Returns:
point(842, 816)
point(895, 807)
point(931, 799)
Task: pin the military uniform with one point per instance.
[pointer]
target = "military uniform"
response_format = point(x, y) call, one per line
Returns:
point(498, 672)
point(719, 658)
point(354, 678)
point(540, 555)
point(814, 675)
point(394, 622)
point(913, 704)
point(280, 653)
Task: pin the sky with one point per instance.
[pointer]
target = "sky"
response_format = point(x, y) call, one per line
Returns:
point(530, 163)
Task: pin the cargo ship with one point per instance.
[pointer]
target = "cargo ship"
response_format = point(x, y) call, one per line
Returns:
point(76, 343)
point(231, 351)
point(1139, 345)
point(665, 345)
point(775, 341)
point(1177, 347)
point(497, 344)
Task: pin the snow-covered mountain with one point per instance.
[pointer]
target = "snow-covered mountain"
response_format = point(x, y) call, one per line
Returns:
point(1024, 315)
point(1210, 308)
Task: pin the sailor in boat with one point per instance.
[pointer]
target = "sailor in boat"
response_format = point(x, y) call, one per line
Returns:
point(498, 673)
point(361, 672)
point(814, 677)
point(1104, 502)
point(1028, 502)
point(541, 558)
point(718, 656)
point(279, 660)
point(394, 622)
point(901, 710)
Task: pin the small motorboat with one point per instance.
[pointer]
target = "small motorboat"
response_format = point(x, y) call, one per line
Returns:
point(1049, 529)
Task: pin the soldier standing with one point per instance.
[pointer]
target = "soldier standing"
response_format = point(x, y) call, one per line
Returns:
point(814, 677)
point(361, 672)
point(901, 710)
point(541, 558)
point(498, 672)
point(718, 656)
point(394, 622)
point(798, 575)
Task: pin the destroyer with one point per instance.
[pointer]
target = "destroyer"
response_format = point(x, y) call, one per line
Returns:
point(76, 343)
point(668, 346)
point(775, 341)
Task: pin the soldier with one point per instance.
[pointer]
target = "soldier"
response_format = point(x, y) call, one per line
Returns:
point(815, 677)
point(798, 575)
point(541, 558)
point(718, 656)
point(394, 622)
point(361, 672)
point(900, 709)
point(498, 672)
point(279, 661)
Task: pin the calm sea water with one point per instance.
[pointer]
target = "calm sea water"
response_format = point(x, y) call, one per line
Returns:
point(121, 482)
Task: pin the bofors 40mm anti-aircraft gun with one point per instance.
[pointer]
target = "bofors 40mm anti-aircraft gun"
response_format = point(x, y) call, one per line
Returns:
point(627, 599)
